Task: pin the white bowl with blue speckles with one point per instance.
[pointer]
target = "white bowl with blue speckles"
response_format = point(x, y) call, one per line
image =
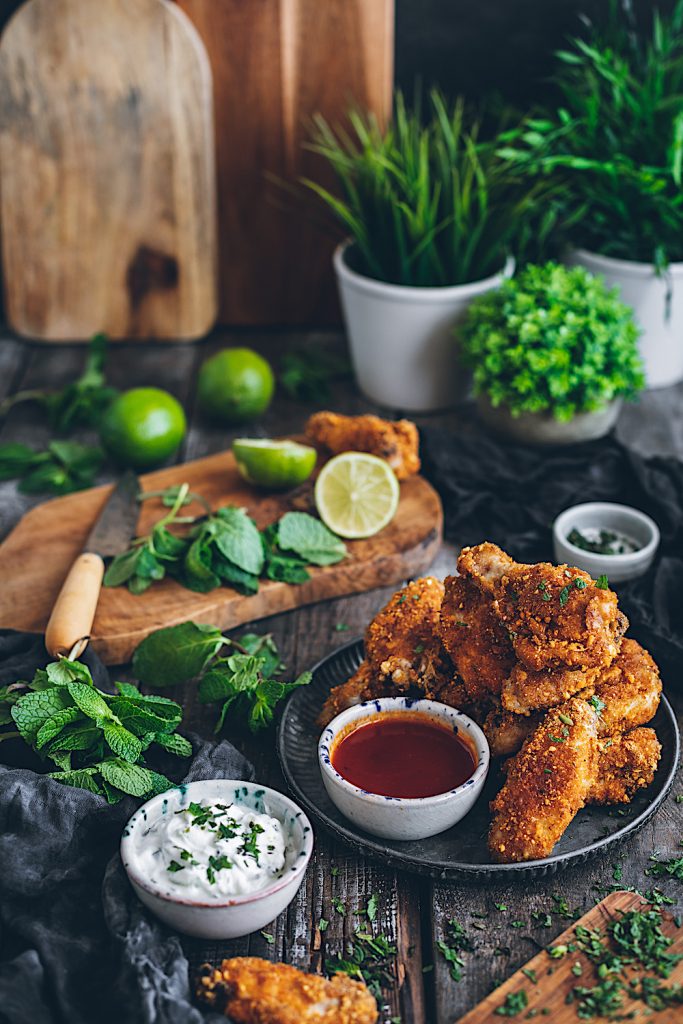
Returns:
point(234, 916)
point(403, 817)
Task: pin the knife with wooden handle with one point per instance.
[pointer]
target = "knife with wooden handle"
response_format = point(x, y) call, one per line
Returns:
point(69, 626)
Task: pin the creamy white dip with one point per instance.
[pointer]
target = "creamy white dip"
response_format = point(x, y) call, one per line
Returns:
point(210, 850)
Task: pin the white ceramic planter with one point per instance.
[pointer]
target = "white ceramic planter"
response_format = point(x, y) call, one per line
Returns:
point(661, 343)
point(403, 348)
point(538, 428)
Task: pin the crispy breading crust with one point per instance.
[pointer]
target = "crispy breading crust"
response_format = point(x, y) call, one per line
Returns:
point(630, 689)
point(506, 732)
point(525, 692)
point(626, 764)
point(547, 784)
point(474, 637)
point(254, 991)
point(397, 442)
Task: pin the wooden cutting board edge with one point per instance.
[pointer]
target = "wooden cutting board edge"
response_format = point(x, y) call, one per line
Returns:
point(551, 990)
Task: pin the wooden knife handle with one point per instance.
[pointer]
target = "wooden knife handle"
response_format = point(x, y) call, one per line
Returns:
point(72, 616)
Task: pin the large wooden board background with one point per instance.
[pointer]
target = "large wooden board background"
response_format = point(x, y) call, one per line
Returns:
point(556, 980)
point(275, 63)
point(37, 555)
point(108, 171)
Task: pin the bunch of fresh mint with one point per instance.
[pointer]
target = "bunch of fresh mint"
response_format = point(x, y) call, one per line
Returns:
point(245, 681)
point(62, 467)
point(96, 740)
point(223, 547)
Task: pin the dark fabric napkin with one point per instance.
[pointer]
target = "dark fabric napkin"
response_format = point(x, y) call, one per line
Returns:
point(77, 945)
point(511, 494)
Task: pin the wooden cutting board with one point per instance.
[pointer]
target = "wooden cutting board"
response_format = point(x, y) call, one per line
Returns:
point(37, 554)
point(107, 171)
point(276, 63)
point(549, 995)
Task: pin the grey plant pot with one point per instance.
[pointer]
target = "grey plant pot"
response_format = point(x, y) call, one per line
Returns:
point(543, 428)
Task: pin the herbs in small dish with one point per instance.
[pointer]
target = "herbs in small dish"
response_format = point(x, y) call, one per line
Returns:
point(601, 541)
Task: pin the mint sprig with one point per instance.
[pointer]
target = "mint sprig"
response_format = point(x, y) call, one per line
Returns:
point(95, 740)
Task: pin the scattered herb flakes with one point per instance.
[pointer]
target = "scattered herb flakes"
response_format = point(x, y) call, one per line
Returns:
point(561, 908)
point(517, 924)
point(334, 871)
point(371, 909)
point(618, 872)
point(369, 958)
point(270, 939)
point(530, 973)
point(454, 943)
point(577, 969)
point(338, 904)
point(679, 799)
point(557, 952)
point(514, 1003)
point(341, 627)
point(602, 583)
point(323, 924)
point(660, 997)
point(502, 907)
point(543, 589)
point(175, 866)
point(597, 704)
point(565, 719)
point(542, 919)
point(603, 1000)
point(672, 868)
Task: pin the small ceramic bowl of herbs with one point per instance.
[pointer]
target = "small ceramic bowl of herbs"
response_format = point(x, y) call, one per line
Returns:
point(606, 539)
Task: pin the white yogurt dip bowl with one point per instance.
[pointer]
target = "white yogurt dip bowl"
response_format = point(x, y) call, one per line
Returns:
point(213, 914)
point(395, 817)
point(605, 515)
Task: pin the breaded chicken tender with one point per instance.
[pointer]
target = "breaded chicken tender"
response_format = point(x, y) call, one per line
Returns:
point(506, 732)
point(254, 991)
point(397, 442)
point(485, 564)
point(630, 690)
point(475, 638)
point(548, 782)
point(525, 692)
point(402, 650)
point(626, 764)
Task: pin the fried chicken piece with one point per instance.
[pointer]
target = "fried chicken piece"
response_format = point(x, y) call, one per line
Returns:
point(525, 692)
point(402, 641)
point(626, 764)
point(506, 732)
point(396, 442)
point(402, 651)
point(630, 690)
point(254, 991)
point(548, 782)
point(474, 637)
point(485, 564)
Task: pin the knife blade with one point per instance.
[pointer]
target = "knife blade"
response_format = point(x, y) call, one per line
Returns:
point(68, 629)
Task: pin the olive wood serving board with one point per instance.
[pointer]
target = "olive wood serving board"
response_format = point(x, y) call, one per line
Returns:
point(548, 996)
point(37, 554)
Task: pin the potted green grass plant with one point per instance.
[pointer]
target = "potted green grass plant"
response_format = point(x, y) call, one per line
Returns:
point(432, 212)
point(553, 353)
point(614, 149)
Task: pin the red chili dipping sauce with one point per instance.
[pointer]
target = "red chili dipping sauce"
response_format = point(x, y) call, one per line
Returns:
point(403, 753)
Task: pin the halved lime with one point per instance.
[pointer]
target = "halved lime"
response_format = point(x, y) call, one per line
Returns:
point(356, 495)
point(277, 464)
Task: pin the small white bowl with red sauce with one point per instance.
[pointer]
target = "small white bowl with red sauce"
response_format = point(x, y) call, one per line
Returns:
point(402, 768)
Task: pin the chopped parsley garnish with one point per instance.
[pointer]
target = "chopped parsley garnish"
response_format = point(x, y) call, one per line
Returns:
point(338, 904)
point(578, 583)
point(607, 543)
point(566, 719)
point(514, 1003)
point(175, 866)
point(323, 924)
point(666, 868)
point(500, 906)
point(250, 844)
point(454, 943)
point(369, 958)
point(530, 973)
point(542, 919)
point(341, 627)
point(602, 583)
point(597, 704)
point(270, 939)
point(543, 588)
point(219, 863)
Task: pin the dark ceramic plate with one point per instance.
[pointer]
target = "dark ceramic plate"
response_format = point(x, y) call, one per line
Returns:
point(461, 851)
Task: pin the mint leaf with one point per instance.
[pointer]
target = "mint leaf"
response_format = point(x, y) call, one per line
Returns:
point(264, 648)
point(175, 744)
point(89, 700)
point(238, 539)
point(130, 778)
point(79, 736)
point(16, 460)
point(216, 685)
point(175, 654)
point(122, 742)
point(309, 538)
point(242, 581)
point(79, 778)
point(122, 568)
point(32, 710)
point(62, 672)
point(197, 566)
point(54, 726)
point(141, 715)
point(127, 689)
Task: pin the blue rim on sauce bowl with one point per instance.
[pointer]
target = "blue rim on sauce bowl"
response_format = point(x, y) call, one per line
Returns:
point(233, 916)
point(402, 818)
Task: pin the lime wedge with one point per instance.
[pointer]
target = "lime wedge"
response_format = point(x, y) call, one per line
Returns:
point(277, 464)
point(356, 495)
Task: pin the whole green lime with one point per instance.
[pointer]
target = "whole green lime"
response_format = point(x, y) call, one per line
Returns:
point(235, 385)
point(142, 427)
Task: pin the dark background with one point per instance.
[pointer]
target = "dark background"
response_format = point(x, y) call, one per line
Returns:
point(475, 47)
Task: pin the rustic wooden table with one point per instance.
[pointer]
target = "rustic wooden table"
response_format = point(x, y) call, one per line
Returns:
point(413, 912)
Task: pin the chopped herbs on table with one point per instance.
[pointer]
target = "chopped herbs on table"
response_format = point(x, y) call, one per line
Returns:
point(368, 958)
point(323, 924)
point(455, 942)
point(270, 939)
point(514, 1003)
point(224, 547)
point(96, 740)
point(672, 868)
point(339, 906)
point(244, 682)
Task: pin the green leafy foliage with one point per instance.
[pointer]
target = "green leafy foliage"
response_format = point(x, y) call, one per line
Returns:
point(553, 339)
point(244, 682)
point(307, 375)
point(61, 468)
point(96, 740)
point(223, 547)
point(82, 402)
point(426, 201)
point(613, 149)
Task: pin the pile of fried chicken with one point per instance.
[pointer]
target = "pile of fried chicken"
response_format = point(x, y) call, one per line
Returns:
point(536, 655)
